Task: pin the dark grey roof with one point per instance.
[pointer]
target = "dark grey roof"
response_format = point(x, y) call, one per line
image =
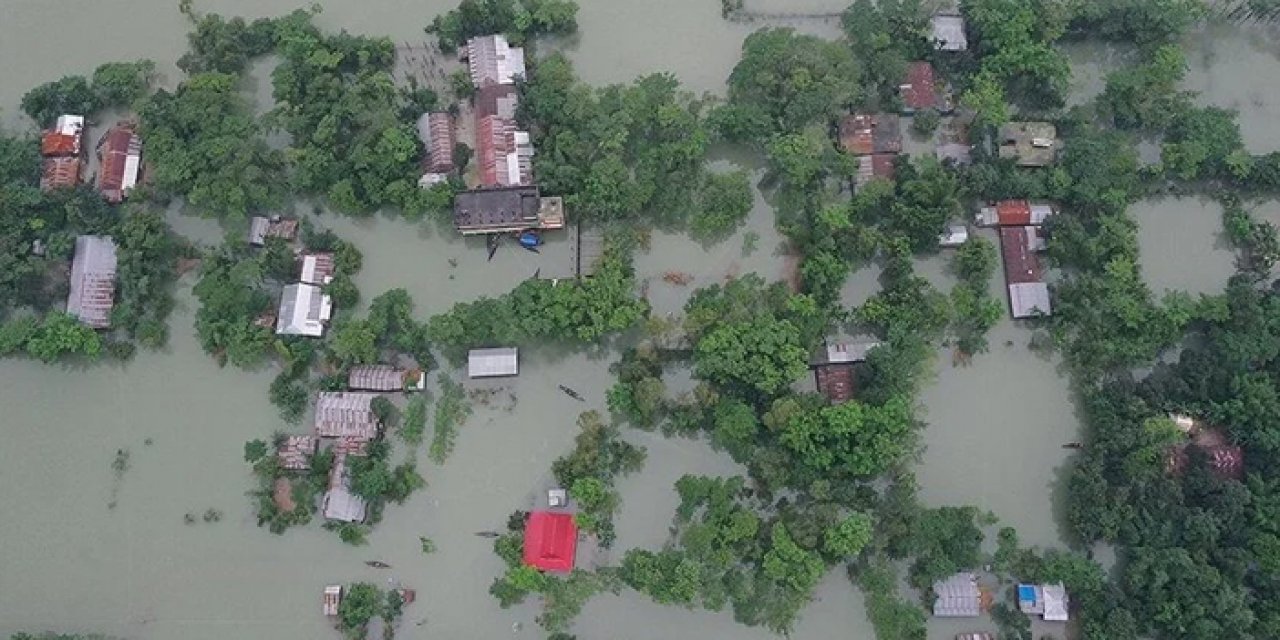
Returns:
point(497, 208)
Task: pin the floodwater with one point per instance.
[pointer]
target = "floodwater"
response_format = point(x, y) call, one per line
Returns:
point(1181, 245)
point(72, 562)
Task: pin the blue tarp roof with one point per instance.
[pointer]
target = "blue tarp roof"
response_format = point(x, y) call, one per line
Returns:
point(1027, 593)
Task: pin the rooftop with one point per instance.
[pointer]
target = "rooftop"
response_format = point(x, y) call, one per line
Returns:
point(261, 228)
point(304, 310)
point(382, 377)
point(498, 100)
point(437, 134)
point(836, 381)
point(1021, 264)
point(954, 236)
point(958, 597)
point(864, 134)
point(296, 451)
point(65, 138)
point(490, 363)
point(59, 173)
point(317, 268)
point(550, 541)
point(93, 281)
point(948, 32)
point(1015, 213)
point(339, 502)
point(918, 89)
point(505, 209)
point(346, 414)
point(492, 60)
point(872, 167)
point(120, 157)
point(1032, 144)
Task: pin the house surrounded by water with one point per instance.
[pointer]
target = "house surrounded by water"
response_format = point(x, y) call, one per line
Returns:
point(834, 367)
point(506, 210)
point(119, 162)
point(305, 310)
point(93, 281)
point(385, 377)
point(1023, 273)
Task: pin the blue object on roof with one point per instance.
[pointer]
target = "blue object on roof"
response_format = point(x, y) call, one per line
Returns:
point(530, 239)
point(1026, 593)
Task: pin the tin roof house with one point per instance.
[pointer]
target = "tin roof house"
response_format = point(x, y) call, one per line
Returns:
point(346, 414)
point(1023, 273)
point(506, 210)
point(864, 134)
point(93, 281)
point(550, 541)
point(62, 148)
point(120, 162)
point(304, 311)
point(504, 154)
point(1046, 600)
point(438, 137)
point(948, 32)
point(384, 377)
point(834, 368)
point(261, 228)
point(1018, 213)
point(492, 60)
point(317, 268)
point(295, 452)
point(493, 363)
point(919, 90)
point(957, 597)
point(340, 503)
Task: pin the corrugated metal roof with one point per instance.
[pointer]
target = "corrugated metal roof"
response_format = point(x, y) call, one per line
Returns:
point(317, 268)
point(488, 363)
point(1055, 602)
point(919, 90)
point(120, 156)
point(948, 32)
point(492, 60)
point(1029, 299)
point(954, 236)
point(296, 451)
point(59, 173)
point(304, 310)
point(958, 597)
point(346, 414)
point(93, 281)
point(261, 228)
point(376, 377)
point(864, 134)
point(339, 502)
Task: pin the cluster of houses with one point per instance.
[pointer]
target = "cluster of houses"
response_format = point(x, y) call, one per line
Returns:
point(93, 268)
point(305, 308)
point(962, 596)
point(119, 158)
point(1021, 241)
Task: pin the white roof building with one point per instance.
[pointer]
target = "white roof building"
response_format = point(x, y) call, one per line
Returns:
point(492, 363)
point(339, 502)
point(304, 311)
point(69, 125)
point(1029, 299)
point(955, 235)
point(492, 60)
point(948, 32)
point(957, 597)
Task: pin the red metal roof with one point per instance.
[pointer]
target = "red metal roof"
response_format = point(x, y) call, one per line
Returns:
point(1013, 212)
point(1021, 264)
point(863, 134)
point(113, 153)
point(919, 91)
point(59, 173)
point(835, 381)
point(440, 155)
point(550, 541)
point(54, 144)
point(487, 154)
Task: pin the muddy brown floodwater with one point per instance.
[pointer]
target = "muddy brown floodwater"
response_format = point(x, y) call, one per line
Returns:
point(88, 549)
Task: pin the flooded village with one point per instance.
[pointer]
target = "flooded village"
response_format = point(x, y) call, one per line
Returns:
point(102, 548)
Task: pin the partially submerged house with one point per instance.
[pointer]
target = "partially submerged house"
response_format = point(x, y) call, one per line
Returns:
point(1024, 275)
point(492, 60)
point(1046, 600)
point(93, 281)
point(384, 377)
point(920, 91)
point(957, 597)
point(305, 310)
point(317, 268)
point(550, 541)
point(1018, 213)
point(506, 210)
point(1031, 144)
point(493, 363)
point(436, 132)
point(332, 599)
point(948, 32)
point(834, 367)
point(120, 162)
point(295, 451)
point(62, 148)
point(864, 134)
point(879, 166)
point(340, 503)
point(954, 236)
point(504, 153)
point(261, 228)
point(343, 414)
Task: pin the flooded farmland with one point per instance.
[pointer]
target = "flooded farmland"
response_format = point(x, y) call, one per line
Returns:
point(87, 548)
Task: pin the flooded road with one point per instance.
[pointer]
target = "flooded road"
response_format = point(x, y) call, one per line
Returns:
point(70, 562)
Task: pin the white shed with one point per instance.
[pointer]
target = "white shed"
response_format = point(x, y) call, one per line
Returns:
point(493, 363)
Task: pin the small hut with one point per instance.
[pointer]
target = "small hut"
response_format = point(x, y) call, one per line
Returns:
point(384, 377)
point(261, 228)
point(295, 452)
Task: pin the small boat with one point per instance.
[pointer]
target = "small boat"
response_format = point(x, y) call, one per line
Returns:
point(572, 394)
point(530, 239)
point(488, 534)
point(377, 564)
point(492, 242)
point(1073, 445)
point(528, 248)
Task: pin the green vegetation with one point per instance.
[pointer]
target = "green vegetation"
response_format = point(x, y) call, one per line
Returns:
point(724, 200)
point(113, 85)
point(520, 20)
point(226, 46)
point(620, 152)
point(975, 310)
point(452, 410)
point(599, 456)
point(204, 145)
point(285, 498)
point(361, 603)
point(414, 423)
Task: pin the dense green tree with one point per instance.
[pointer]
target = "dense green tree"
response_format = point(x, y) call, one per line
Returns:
point(520, 20)
point(121, 84)
point(69, 95)
point(724, 200)
point(765, 355)
point(220, 45)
